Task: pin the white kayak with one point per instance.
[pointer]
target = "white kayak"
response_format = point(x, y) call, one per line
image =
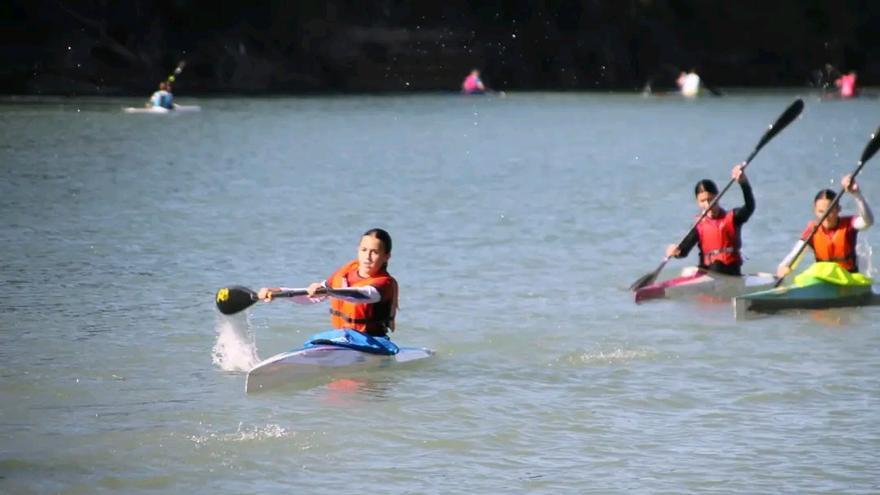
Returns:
point(163, 111)
point(323, 360)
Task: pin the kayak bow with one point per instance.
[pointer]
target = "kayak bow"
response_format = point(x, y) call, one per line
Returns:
point(697, 283)
point(824, 285)
point(323, 360)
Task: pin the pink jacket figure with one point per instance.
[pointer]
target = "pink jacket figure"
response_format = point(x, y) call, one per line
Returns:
point(472, 84)
point(847, 85)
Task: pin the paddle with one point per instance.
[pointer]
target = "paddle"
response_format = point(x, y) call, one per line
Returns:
point(869, 151)
point(715, 92)
point(786, 118)
point(177, 71)
point(235, 298)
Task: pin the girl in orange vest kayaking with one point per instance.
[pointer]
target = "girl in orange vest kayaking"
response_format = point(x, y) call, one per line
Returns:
point(718, 233)
point(363, 317)
point(835, 240)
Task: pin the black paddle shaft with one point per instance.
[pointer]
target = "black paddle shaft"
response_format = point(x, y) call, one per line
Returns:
point(236, 298)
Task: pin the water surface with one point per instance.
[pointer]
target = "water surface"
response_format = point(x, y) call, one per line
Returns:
point(518, 223)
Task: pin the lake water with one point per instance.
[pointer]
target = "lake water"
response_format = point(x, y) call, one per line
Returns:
point(518, 225)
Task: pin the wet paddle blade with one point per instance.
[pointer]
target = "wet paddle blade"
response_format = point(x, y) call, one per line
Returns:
point(231, 300)
point(781, 123)
point(871, 147)
point(647, 279)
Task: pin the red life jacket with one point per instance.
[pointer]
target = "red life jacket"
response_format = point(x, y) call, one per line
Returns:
point(719, 240)
point(375, 319)
point(837, 244)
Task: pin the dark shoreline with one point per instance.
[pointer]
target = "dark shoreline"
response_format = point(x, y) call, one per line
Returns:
point(340, 46)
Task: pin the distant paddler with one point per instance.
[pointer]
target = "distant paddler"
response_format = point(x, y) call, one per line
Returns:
point(835, 238)
point(163, 97)
point(846, 83)
point(472, 84)
point(718, 231)
point(688, 83)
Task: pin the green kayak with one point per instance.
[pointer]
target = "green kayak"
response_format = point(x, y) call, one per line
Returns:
point(823, 285)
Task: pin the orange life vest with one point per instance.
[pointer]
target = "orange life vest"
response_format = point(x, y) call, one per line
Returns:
point(375, 319)
point(837, 244)
point(719, 240)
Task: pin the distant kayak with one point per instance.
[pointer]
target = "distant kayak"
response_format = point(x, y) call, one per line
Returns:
point(163, 111)
point(701, 283)
point(824, 285)
point(327, 360)
point(498, 94)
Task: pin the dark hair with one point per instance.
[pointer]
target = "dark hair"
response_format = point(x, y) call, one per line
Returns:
point(382, 235)
point(825, 194)
point(705, 185)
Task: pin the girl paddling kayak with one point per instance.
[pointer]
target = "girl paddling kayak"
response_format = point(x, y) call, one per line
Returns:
point(835, 240)
point(163, 97)
point(718, 233)
point(363, 317)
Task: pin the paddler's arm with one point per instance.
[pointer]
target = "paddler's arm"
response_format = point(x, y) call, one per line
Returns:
point(789, 263)
point(364, 294)
point(865, 217)
point(265, 295)
point(742, 214)
point(683, 249)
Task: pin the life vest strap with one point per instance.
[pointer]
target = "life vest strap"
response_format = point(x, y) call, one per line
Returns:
point(355, 321)
point(721, 250)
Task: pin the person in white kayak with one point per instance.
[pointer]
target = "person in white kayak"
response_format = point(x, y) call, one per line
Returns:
point(365, 317)
point(163, 97)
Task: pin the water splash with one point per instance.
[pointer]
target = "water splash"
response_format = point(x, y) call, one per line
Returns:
point(236, 347)
point(614, 356)
point(863, 253)
point(245, 434)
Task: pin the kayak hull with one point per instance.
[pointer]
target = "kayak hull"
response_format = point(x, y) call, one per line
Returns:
point(701, 283)
point(821, 295)
point(323, 360)
point(163, 111)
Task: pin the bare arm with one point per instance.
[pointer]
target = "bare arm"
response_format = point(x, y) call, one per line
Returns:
point(789, 263)
point(865, 218)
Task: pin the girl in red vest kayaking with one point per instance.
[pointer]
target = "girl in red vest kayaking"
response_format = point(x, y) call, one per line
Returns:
point(718, 233)
point(363, 317)
point(835, 239)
